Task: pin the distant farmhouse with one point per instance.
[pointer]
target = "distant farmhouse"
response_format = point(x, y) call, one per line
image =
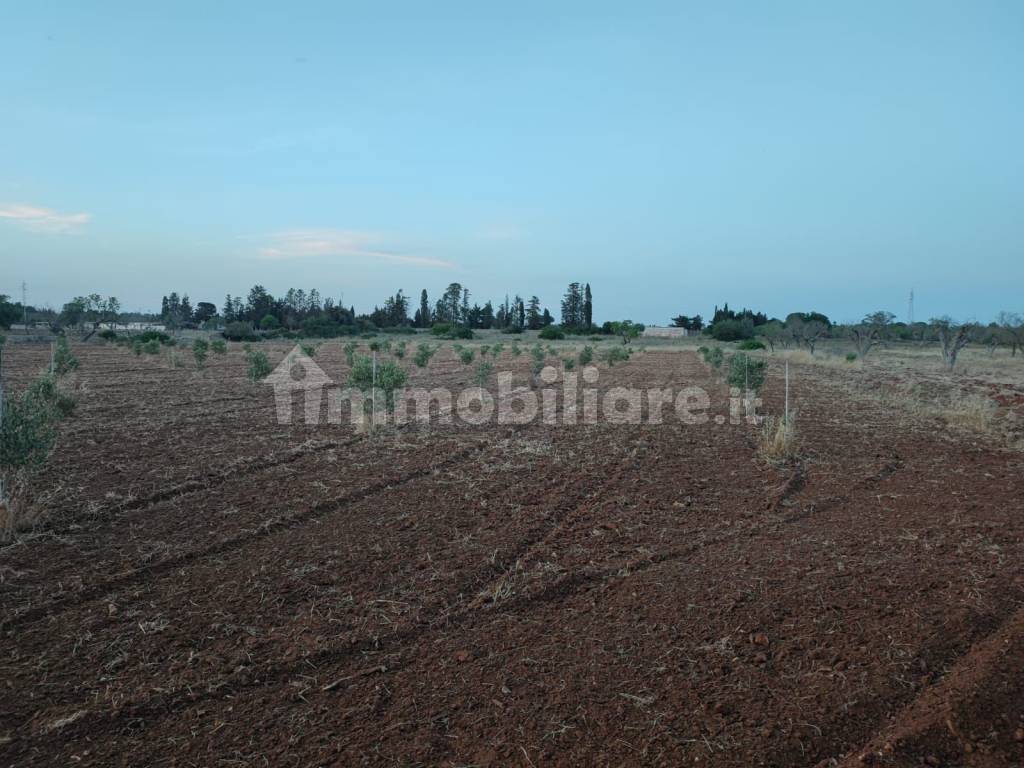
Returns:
point(668, 332)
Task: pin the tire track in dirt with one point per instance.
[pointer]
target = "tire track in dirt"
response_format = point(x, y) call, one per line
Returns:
point(269, 527)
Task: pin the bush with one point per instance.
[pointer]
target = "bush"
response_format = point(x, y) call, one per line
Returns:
point(466, 356)
point(483, 372)
point(569, 363)
point(269, 322)
point(512, 329)
point(537, 353)
point(551, 333)
point(484, 349)
point(515, 350)
point(238, 331)
point(712, 357)
point(151, 347)
point(390, 377)
point(733, 330)
point(350, 351)
point(851, 357)
point(449, 331)
point(107, 335)
point(218, 347)
point(745, 372)
point(750, 344)
point(200, 348)
point(614, 355)
point(497, 349)
point(309, 350)
point(423, 355)
point(586, 355)
point(258, 365)
point(159, 336)
point(375, 346)
point(400, 350)
point(63, 361)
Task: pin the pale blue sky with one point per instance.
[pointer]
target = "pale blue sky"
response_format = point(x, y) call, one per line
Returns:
point(784, 156)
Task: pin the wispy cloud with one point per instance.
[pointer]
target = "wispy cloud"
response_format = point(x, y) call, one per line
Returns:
point(339, 243)
point(43, 219)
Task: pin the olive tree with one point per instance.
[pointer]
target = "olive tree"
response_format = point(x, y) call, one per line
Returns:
point(952, 337)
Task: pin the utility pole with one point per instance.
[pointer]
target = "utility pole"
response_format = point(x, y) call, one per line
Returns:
point(24, 306)
point(910, 308)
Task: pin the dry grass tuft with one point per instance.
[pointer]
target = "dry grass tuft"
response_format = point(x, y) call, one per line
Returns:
point(778, 439)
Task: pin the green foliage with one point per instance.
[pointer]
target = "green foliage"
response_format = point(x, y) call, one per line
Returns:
point(614, 355)
point(586, 355)
point(484, 349)
point(483, 371)
point(750, 344)
point(399, 351)
point(551, 333)
point(270, 322)
point(238, 331)
point(137, 347)
point(466, 356)
point(627, 330)
point(375, 346)
point(218, 347)
point(713, 356)
point(159, 336)
point(258, 365)
point(497, 349)
point(200, 349)
point(745, 372)
point(537, 353)
point(851, 357)
point(515, 350)
point(28, 428)
point(390, 377)
point(350, 352)
point(569, 363)
point(309, 350)
point(423, 354)
point(107, 335)
point(63, 361)
point(733, 330)
point(151, 347)
point(449, 331)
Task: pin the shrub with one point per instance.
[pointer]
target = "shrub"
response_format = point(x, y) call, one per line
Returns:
point(107, 335)
point(350, 352)
point(270, 322)
point(569, 363)
point(309, 350)
point(400, 350)
point(28, 431)
point(449, 331)
point(483, 372)
point(851, 357)
point(151, 347)
point(237, 331)
point(200, 348)
point(218, 347)
point(390, 377)
point(375, 346)
point(515, 350)
point(258, 365)
point(484, 349)
point(423, 355)
point(750, 344)
point(586, 355)
point(466, 356)
point(63, 361)
point(137, 347)
point(551, 333)
point(537, 353)
point(614, 355)
point(512, 329)
point(712, 357)
point(441, 329)
point(497, 349)
point(732, 330)
point(745, 372)
point(159, 336)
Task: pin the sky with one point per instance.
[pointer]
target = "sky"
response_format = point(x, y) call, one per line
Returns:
point(782, 156)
